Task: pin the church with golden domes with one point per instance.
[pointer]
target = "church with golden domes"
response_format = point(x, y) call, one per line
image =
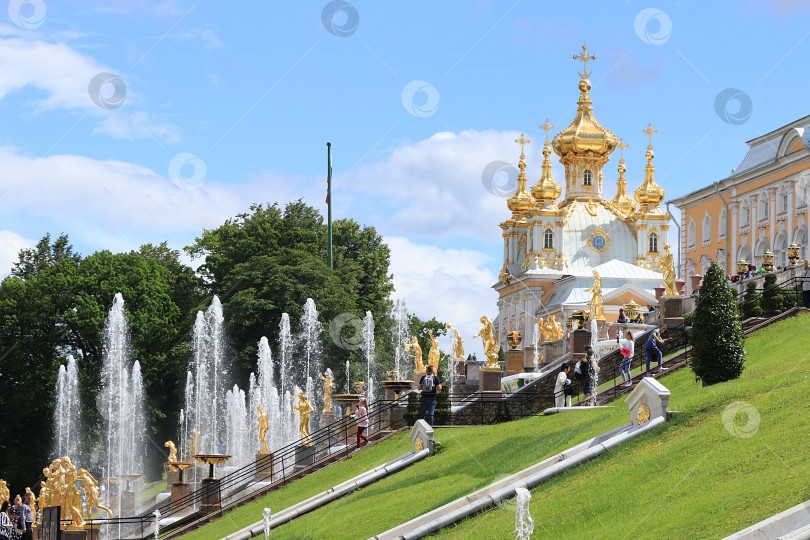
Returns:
point(553, 247)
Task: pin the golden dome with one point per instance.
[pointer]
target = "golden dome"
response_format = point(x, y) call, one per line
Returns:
point(521, 200)
point(546, 190)
point(622, 200)
point(649, 195)
point(585, 134)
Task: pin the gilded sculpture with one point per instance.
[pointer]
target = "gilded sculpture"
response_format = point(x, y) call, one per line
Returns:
point(91, 488)
point(458, 348)
point(416, 351)
point(172, 451)
point(488, 337)
point(72, 496)
point(668, 268)
point(541, 330)
point(305, 410)
point(328, 385)
point(433, 354)
point(4, 492)
point(263, 427)
point(596, 310)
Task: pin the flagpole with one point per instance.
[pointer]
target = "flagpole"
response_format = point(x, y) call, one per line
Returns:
point(329, 200)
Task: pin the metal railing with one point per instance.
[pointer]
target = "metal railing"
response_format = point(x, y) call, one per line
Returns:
point(275, 469)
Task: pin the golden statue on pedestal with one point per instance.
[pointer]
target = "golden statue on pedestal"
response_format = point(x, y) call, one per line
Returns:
point(433, 354)
point(72, 496)
point(4, 492)
point(596, 309)
point(305, 410)
point(416, 349)
point(487, 335)
point(668, 268)
point(327, 391)
point(541, 330)
point(91, 487)
point(172, 451)
point(263, 427)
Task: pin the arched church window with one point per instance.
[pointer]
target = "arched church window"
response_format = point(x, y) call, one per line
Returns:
point(548, 239)
point(653, 242)
point(587, 178)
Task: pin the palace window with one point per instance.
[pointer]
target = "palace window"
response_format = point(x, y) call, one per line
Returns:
point(764, 207)
point(745, 215)
point(691, 234)
point(587, 178)
point(706, 229)
point(653, 242)
point(721, 226)
point(783, 203)
point(548, 239)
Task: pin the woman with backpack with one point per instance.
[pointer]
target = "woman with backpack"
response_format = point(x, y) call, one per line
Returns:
point(562, 388)
point(627, 350)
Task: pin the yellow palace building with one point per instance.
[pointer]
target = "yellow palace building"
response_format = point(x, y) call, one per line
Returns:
point(761, 206)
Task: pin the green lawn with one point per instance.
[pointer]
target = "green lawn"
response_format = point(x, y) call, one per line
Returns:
point(471, 458)
point(306, 487)
point(690, 478)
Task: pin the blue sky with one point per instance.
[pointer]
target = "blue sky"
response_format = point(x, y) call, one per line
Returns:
point(209, 106)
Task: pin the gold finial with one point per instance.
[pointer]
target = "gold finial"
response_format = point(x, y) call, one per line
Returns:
point(585, 57)
point(621, 145)
point(522, 141)
point(547, 127)
point(649, 131)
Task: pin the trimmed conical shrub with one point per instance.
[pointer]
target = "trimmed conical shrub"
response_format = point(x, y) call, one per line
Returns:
point(718, 351)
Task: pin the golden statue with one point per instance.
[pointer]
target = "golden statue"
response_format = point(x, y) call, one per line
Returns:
point(668, 268)
point(559, 333)
point(91, 487)
point(263, 427)
point(172, 451)
point(488, 337)
point(458, 348)
point(44, 496)
point(305, 410)
point(327, 391)
point(596, 309)
point(433, 354)
point(72, 494)
point(56, 483)
point(4, 492)
point(541, 333)
point(419, 366)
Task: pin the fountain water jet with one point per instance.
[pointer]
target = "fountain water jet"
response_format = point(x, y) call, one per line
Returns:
point(67, 413)
point(400, 335)
point(368, 349)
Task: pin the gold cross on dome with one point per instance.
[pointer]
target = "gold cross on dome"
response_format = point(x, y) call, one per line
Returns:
point(548, 127)
point(584, 57)
point(649, 131)
point(621, 146)
point(522, 141)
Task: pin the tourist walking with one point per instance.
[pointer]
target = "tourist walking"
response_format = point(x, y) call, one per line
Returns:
point(429, 385)
point(27, 518)
point(653, 352)
point(590, 370)
point(6, 526)
point(361, 413)
point(562, 395)
point(627, 350)
point(806, 284)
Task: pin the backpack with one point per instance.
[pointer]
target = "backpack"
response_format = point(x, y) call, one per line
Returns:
point(427, 383)
point(568, 388)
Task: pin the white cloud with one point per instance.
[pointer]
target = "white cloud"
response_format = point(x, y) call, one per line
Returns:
point(453, 285)
point(10, 245)
point(206, 34)
point(137, 125)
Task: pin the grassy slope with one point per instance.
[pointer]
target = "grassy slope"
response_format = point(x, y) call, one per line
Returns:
point(471, 458)
point(690, 478)
point(304, 488)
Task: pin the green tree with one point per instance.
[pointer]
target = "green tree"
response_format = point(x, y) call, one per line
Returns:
point(771, 296)
point(750, 306)
point(269, 261)
point(718, 350)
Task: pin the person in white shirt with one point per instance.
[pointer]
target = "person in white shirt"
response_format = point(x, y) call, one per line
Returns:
point(806, 284)
point(561, 398)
